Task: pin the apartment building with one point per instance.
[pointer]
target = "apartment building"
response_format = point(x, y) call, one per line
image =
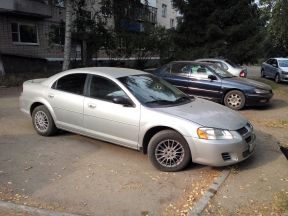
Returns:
point(167, 15)
point(32, 31)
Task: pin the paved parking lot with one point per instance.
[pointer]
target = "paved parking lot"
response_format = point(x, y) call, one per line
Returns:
point(81, 175)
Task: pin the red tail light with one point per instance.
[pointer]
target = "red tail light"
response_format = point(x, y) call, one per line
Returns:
point(242, 74)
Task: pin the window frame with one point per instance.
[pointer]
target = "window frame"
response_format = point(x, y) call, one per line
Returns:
point(172, 23)
point(58, 28)
point(88, 88)
point(84, 91)
point(19, 42)
point(164, 10)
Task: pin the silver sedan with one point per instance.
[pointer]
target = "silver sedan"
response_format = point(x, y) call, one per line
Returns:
point(276, 68)
point(140, 111)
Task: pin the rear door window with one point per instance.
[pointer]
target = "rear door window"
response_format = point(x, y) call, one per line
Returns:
point(72, 83)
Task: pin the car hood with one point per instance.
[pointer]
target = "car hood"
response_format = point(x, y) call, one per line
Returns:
point(207, 114)
point(285, 69)
point(249, 82)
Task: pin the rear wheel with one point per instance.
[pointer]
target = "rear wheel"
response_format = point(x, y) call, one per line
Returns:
point(168, 151)
point(277, 78)
point(43, 121)
point(234, 99)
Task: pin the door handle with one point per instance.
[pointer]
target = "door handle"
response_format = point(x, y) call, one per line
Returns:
point(92, 106)
point(50, 96)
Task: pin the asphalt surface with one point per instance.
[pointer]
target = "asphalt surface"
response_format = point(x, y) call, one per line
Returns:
point(76, 174)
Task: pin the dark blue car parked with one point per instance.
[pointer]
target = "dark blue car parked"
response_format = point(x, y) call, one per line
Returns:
point(211, 82)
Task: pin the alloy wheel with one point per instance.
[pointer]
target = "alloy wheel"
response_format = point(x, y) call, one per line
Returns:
point(169, 153)
point(41, 121)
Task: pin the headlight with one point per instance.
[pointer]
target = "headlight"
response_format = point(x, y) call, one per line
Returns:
point(261, 91)
point(213, 134)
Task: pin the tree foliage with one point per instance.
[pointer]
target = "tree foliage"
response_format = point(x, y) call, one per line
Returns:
point(278, 26)
point(219, 28)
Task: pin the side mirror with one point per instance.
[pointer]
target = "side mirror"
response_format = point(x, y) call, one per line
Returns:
point(275, 65)
point(123, 101)
point(212, 77)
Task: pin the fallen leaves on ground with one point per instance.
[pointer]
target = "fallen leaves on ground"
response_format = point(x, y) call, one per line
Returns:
point(191, 194)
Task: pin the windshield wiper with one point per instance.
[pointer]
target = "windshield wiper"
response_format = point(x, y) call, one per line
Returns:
point(182, 99)
point(160, 102)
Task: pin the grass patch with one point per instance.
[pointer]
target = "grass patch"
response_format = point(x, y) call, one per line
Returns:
point(10, 80)
point(281, 202)
point(277, 124)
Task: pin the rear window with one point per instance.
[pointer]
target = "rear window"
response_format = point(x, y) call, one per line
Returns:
point(72, 83)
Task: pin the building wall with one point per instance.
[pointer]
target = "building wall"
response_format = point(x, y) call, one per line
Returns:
point(170, 14)
point(40, 50)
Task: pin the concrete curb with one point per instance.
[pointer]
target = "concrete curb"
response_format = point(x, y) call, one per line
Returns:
point(31, 210)
point(212, 190)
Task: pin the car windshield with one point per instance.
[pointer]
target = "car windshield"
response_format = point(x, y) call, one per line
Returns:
point(220, 72)
point(283, 63)
point(152, 91)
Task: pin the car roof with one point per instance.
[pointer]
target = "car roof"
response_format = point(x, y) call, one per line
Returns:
point(194, 62)
point(211, 59)
point(280, 58)
point(111, 72)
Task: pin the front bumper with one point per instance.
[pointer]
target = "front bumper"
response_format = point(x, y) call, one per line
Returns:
point(258, 99)
point(222, 152)
point(284, 77)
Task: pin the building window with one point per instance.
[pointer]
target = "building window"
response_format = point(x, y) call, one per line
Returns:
point(57, 34)
point(172, 23)
point(164, 10)
point(59, 3)
point(24, 33)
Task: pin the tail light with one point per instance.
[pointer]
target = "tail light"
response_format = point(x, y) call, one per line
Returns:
point(242, 74)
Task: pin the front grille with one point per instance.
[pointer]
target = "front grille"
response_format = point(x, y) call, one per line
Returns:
point(226, 156)
point(242, 131)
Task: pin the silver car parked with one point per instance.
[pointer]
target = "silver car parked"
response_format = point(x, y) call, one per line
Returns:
point(276, 68)
point(140, 111)
point(227, 65)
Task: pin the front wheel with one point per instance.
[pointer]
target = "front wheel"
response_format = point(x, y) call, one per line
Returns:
point(262, 73)
point(168, 151)
point(234, 99)
point(277, 78)
point(43, 121)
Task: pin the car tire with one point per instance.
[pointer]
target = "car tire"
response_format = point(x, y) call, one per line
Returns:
point(168, 151)
point(277, 78)
point(262, 73)
point(43, 121)
point(234, 99)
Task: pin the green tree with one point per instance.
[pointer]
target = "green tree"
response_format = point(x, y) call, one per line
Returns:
point(278, 26)
point(219, 28)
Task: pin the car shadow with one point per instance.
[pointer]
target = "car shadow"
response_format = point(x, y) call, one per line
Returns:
point(274, 104)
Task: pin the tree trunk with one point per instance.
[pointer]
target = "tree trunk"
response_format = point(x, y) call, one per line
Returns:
point(68, 33)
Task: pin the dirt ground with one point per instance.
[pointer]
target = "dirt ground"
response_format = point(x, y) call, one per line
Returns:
point(76, 174)
point(80, 175)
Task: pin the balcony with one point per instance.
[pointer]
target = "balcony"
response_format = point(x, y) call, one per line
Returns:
point(36, 8)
